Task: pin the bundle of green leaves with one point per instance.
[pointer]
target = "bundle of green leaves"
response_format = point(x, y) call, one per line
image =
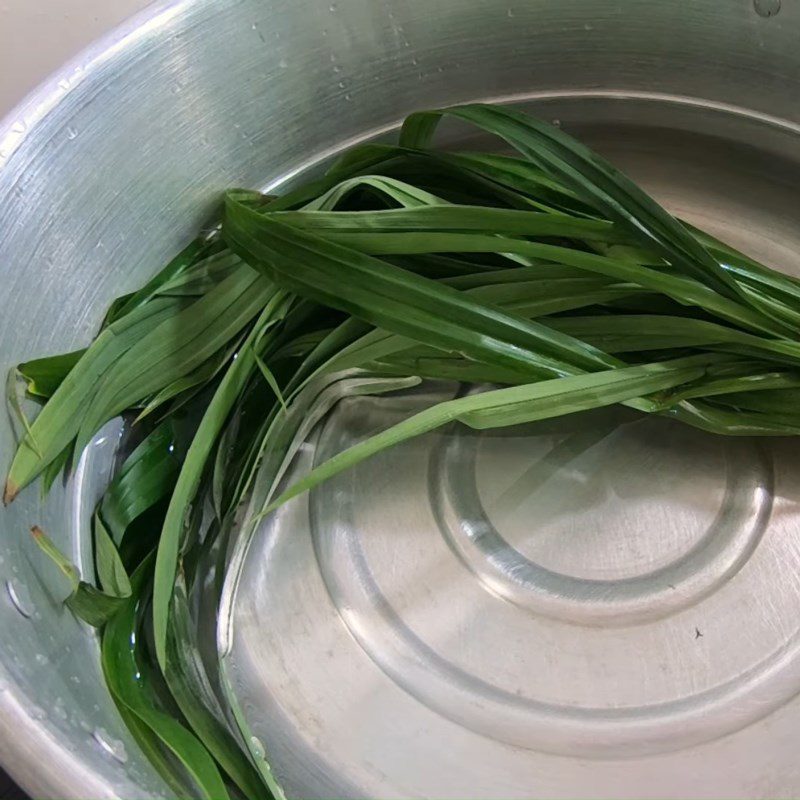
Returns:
point(548, 276)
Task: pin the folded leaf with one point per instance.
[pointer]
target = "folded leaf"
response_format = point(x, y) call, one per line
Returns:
point(85, 601)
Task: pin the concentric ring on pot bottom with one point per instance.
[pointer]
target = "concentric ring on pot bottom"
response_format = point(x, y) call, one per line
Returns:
point(653, 616)
point(716, 549)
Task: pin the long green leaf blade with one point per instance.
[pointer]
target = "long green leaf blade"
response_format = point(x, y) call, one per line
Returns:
point(513, 406)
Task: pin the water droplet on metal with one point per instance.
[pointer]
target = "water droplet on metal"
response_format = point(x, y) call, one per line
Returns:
point(254, 27)
point(556, 123)
point(19, 127)
point(63, 84)
point(59, 710)
point(71, 132)
point(587, 27)
point(257, 748)
point(348, 96)
point(37, 712)
point(283, 63)
point(767, 8)
point(332, 8)
point(20, 597)
point(510, 12)
point(114, 747)
point(342, 84)
point(41, 658)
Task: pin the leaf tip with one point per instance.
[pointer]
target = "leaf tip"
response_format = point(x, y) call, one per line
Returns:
point(10, 492)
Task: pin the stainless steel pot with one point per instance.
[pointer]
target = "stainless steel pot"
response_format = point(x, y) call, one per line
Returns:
point(113, 164)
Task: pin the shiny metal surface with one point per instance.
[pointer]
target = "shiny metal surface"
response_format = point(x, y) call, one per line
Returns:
point(378, 653)
point(115, 162)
